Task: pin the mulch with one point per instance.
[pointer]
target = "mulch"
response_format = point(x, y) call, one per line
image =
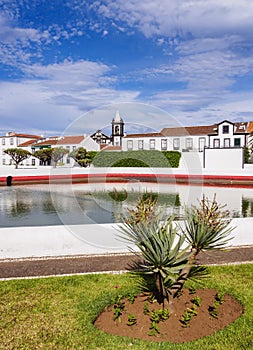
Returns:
point(33, 267)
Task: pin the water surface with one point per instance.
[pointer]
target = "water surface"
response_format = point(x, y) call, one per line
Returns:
point(42, 205)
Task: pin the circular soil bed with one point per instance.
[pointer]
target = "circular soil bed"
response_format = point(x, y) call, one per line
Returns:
point(213, 314)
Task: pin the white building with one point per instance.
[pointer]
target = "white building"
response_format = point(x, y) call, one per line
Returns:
point(32, 143)
point(69, 143)
point(190, 138)
point(208, 141)
point(14, 140)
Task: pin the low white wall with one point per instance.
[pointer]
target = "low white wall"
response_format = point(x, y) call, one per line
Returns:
point(45, 241)
point(189, 164)
point(223, 158)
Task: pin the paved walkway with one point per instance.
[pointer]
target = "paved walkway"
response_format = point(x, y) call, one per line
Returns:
point(13, 268)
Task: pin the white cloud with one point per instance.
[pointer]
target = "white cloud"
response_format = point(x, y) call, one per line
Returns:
point(169, 18)
point(192, 109)
point(56, 95)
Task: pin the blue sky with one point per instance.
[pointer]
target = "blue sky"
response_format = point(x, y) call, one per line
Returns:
point(68, 65)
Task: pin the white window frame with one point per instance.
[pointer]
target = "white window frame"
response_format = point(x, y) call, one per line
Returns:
point(164, 144)
point(202, 143)
point(152, 144)
point(189, 143)
point(216, 143)
point(176, 143)
point(129, 145)
point(140, 144)
point(226, 142)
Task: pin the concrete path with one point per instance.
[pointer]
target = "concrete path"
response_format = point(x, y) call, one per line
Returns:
point(72, 265)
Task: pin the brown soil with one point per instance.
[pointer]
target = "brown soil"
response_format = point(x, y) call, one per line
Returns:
point(172, 329)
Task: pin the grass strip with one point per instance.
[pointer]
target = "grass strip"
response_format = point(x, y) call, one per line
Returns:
point(58, 313)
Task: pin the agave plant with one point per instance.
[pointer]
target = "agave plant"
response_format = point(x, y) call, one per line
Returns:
point(169, 251)
point(206, 227)
point(162, 250)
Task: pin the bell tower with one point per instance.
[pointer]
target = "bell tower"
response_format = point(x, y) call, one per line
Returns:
point(117, 129)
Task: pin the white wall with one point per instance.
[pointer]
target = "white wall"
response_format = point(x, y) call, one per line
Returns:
point(223, 158)
point(22, 242)
point(90, 144)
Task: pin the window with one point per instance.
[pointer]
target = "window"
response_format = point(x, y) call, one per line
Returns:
point(176, 144)
point(164, 144)
point(202, 143)
point(226, 143)
point(116, 130)
point(33, 162)
point(237, 142)
point(130, 144)
point(3, 161)
point(188, 143)
point(3, 141)
point(11, 141)
point(216, 143)
point(140, 144)
point(152, 144)
point(68, 160)
point(74, 147)
point(225, 129)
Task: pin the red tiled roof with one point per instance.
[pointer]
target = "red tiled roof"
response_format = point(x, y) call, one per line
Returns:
point(28, 136)
point(67, 140)
point(189, 130)
point(27, 143)
point(250, 127)
point(70, 140)
point(150, 134)
point(46, 143)
point(241, 128)
point(110, 148)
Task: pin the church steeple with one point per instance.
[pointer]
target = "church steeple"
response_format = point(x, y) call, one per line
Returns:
point(117, 129)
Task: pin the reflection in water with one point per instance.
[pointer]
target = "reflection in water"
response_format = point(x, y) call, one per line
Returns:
point(37, 206)
point(19, 208)
point(247, 207)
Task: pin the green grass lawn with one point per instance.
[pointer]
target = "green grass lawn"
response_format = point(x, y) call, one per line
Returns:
point(58, 313)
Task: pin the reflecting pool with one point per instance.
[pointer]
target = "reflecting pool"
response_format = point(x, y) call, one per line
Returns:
point(42, 205)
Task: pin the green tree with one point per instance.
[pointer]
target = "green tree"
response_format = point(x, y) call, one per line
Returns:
point(57, 154)
point(44, 155)
point(81, 156)
point(17, 155)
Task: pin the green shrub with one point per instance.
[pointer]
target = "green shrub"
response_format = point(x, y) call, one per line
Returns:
point(155, 159)
point(92, 155)
point(246, 155)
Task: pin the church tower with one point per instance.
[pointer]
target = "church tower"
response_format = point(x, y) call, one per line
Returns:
point(117, 129)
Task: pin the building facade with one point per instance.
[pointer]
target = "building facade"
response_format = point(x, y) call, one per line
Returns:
point(14, 140)
point(190, 139)
point(223, 135)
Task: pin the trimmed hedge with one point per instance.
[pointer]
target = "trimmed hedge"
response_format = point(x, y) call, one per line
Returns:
point(154, 159)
